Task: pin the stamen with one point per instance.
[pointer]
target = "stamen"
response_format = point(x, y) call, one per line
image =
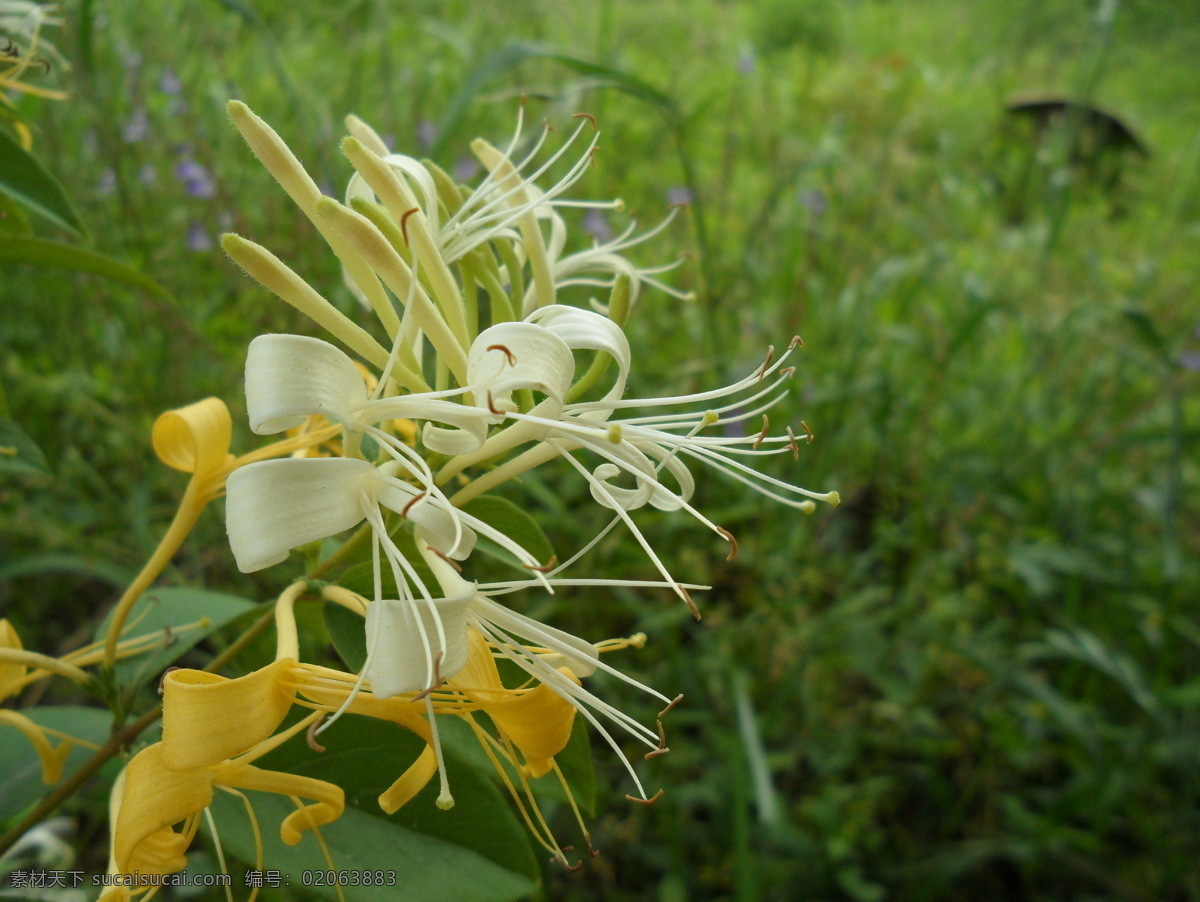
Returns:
point(675, 701)
point(408, 507)
point(662, 743)
point(512, 358)
point(797, 342)
point(492, 406)
point(445, 557)
point(792, 443)
point(548, 127)
point(588, 116)
point(310, 735)
point(404, 222)
point(563, 862)
point(437, 681)
point(728, 537)
point(766, 363)
point(163, 679)
point(807, 431)
point(688, 598)
point(762, 435)
point(445, 800)
point(650, 801)
point(543, 568)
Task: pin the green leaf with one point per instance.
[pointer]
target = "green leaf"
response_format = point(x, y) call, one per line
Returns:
point(504, 516)
point(1146, 331)
point(41, 252)
point(65, 562)
point(347, 632)
point(478, 850)
point(13, 220)
point(161, 613)
point(18, 452)
point(20, 768)
point(24, 179)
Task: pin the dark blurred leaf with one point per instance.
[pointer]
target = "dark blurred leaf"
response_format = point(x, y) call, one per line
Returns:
point(507, 518)
point(40, 252)
point(18, 452)
point(346, 632)
point(24, 179)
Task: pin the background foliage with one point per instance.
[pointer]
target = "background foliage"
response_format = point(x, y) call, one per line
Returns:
point(977, 678)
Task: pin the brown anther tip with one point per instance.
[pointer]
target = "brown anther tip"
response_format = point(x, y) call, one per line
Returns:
point(445, 557)
point(662, 743)
point(678, 205)
point(728, 537)
point(762, 435)
point(691, 604)
point(807, 432)
point(548, 127)
point(591, 849)
point(675, 701)
point(685, 255)
point(492, 405)
point(762, 372)
point(788, 372)
point(588, 116)
point(797, 342)
point(310, 735)
point(512, 358)
point(543, 568)
point(650, 801)
point(437, 679)
point(404, 222)
point(408, 507)
point(792, 443)
point(162, 680)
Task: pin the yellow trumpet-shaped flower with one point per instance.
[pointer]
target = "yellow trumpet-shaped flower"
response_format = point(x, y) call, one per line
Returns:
point(196, 439)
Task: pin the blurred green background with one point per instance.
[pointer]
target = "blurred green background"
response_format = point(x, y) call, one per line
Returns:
point(979, 678)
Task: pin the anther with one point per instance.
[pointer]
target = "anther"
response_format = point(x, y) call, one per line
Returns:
point(675, 701)
point(512, 358)
point(587, 837)
point(437, 679)
point(662, 743)
point(762, 435)
point(588, 116)
point(733, 544)
point(797, 342)
point(162, 680)
point(311, 735)
point(445, 557)
point(558, 859)
point(792, 443)
point(404, 222)
point(807, 432)
point(543, 568)
point(650, 801)
point(169, 638)
point(685, 255)
point(788, 372)
point(407, 507)
point(548, 127)
point(766, 363)
point(492, 405)
point(688, 598)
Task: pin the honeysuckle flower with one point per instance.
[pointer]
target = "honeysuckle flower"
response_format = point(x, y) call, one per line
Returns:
point(25, 52)
point(195, 439)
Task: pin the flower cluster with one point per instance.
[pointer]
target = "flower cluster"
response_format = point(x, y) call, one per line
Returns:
point(477, 371)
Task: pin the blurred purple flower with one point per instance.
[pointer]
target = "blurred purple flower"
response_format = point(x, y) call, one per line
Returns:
point(464, 168)
point(736, 429)
point(131, 60)
point(813, 201)
point(225, 220)
point(197, 181)
point(108, 182)
point(680, 195)
point(169, 82)
point(147, 175)
point(327, 189)
point(198, 239)
point(136, 127)
point(426, 133)
point(596, 225)
point(746, 62)
point(1190, 360)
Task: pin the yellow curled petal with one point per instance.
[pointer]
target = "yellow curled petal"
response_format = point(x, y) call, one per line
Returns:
point(153, 798)
point(53, 758)
point(412, 781)
point(208, 718)
point(328, 807)
point(11, 672)
point(196, 438)
point(538, 720)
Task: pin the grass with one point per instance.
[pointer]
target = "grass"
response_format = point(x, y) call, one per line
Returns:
point(978, 677)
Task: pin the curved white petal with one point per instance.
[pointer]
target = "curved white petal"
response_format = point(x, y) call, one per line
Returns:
point(274, 505)
point(512, 356)
point(405, 637)
point(587, 330)
point(289, 377)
